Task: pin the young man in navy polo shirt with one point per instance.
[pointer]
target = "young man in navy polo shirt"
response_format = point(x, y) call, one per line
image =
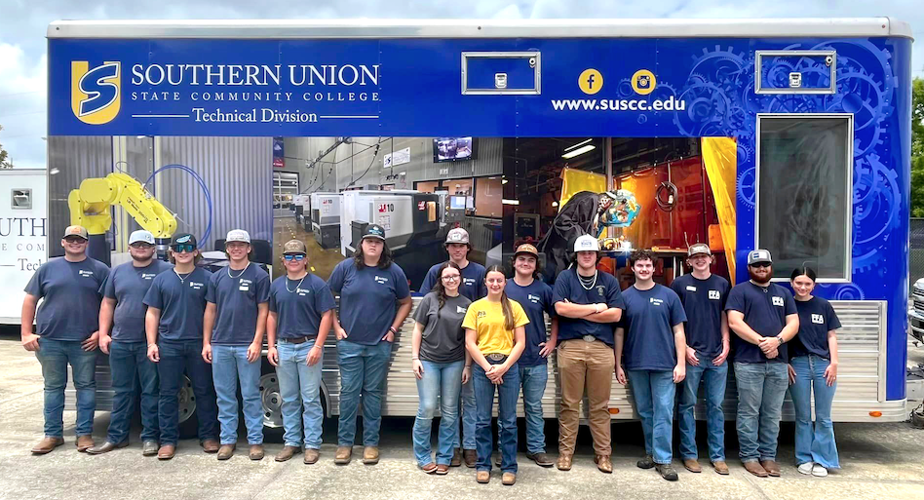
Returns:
point(587, 302)
point(703, 295)
point(650, 347)
point(763, 317)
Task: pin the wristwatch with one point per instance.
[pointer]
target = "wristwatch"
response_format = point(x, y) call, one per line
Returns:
point(780, 338)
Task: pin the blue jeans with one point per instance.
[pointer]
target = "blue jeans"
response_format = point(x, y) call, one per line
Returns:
point(130, 366)
point(654, 403)
point(715, 378)
point(813, 445)
point(442, 380)
point(534, 380)
point(300, 385)
point(362, 372)
point(507, 395)
point(175, 357)
point(54, 355)
point(465, 438)
point(230, 365)
point(761, 389)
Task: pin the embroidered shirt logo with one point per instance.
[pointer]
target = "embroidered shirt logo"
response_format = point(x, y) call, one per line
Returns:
point(381, 280)
point(481, 314)
point(691, 288)
point(85, 274)
point(655, 301)
point(533, 298)
point(461, 310)
point(818, 319)
point(714, 295)
point(777, 301)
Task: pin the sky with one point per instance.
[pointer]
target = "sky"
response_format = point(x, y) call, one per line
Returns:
point(23, 25)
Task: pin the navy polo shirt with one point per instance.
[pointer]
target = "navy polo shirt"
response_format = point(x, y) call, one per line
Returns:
point(472, 285)
point(765, 310)
point(605, 290)
point(703, 302)
point(181, 300)
point(536, 299)
point(649, 322)
point(299, 305)
point(368, 299)
point(70, 309)
point(816, 319)
point(236, 295)
point(128, 285)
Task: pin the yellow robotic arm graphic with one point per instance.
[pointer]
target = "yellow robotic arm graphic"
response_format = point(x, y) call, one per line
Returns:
point(89, 205)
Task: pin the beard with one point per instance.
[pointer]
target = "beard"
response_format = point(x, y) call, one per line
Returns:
point(760, 279)
point(141, 259)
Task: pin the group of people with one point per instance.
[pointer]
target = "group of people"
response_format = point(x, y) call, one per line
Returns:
point(478, 332)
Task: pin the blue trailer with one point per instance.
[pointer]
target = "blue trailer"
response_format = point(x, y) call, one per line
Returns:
point(799, 128)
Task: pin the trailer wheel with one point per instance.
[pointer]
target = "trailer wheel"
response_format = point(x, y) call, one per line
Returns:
point(186, 406)
point(271, 399)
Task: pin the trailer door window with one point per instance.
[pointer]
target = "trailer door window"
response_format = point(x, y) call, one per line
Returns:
point(804, 181)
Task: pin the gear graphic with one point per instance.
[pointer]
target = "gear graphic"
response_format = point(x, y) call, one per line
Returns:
point(746, 187)
point(876, 205)
point(849, 292)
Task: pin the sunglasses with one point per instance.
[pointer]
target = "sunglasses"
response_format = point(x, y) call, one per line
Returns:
point(144, 246)
point(298, 257)
point(758, 265)
point(75, 239)
point(184, 247)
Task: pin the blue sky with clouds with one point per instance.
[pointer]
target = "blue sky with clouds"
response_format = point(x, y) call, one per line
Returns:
point(23, 25)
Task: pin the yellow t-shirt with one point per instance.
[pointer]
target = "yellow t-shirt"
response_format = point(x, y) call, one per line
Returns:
point(487, 318)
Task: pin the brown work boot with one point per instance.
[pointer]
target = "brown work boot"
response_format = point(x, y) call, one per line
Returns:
point(755, 468)
point(483, 476)
point(106, 447)
point(509, 479)
point(442, 470)
point(456, 460)
point(541, 459)
point(772, 468)
point(226, 451)
point(371, 455)
point(256, 452)
point(166, 452)
point(311, 456)
point(430, 468)
point(603, 463)
point(720, 468)
point(470, 457)
point(47, 444)
point(344, 455)
point(692, 465)
point(210, 446)
point(564, 462)
point(84, 442)
point(287, 452)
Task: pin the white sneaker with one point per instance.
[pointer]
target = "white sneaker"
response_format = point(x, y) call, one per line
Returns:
point(819, 471)
point(806, 468)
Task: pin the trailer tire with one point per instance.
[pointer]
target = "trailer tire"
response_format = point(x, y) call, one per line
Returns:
point(270, 398)
point(186, 407)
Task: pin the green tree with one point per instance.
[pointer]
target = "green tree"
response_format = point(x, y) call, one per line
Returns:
point(4, 156)
point(917, 148)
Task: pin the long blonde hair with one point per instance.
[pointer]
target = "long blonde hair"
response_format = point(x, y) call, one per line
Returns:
point(509, 323)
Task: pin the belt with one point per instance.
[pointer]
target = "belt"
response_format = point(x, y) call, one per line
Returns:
point(495, 356)
point(299, 340)
point(589, 338)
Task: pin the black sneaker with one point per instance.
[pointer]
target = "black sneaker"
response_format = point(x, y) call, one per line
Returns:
point(667, 472)
point(541, 459)
point(645, 463)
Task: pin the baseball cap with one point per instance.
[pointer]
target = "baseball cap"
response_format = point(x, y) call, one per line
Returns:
point(181, 238)
point(141, 236)
point(374, 231)
point(698, 248)
point(76, 231)
point(586, 243)
point(237, 235)
point(527, 249)
point(294, 246)
point(759, 255)
point(457, 235)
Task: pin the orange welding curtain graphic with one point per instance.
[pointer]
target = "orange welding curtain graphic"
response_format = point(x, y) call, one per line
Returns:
point(720, 155)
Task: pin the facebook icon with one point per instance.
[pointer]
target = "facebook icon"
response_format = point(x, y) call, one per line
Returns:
point(590, 81)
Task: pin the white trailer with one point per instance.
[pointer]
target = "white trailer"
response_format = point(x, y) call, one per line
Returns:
point(23, 246)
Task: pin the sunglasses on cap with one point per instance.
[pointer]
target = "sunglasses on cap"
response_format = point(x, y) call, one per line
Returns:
point(298, 257)
point(183, 247)
point(758, 265)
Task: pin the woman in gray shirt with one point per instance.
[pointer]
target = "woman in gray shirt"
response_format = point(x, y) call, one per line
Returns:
point(441, 366)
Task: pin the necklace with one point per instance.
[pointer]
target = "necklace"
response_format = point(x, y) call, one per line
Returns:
point(587, 283)
point(182, 279)
point(238, 274)
point(296, 286)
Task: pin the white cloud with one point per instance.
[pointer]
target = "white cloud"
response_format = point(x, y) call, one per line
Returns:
point(22, 106)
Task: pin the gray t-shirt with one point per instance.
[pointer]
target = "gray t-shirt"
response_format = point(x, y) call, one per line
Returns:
point(443, 336)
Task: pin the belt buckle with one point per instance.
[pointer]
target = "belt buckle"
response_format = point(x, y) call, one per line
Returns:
point(496, 356)
point(589, 338)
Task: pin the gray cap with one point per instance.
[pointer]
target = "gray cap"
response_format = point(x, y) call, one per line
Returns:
point(237, 235)
point(457, 235)
point(698, 248)
point(141, 236)
point(759, 255)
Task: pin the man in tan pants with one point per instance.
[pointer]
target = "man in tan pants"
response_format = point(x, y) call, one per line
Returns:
point(588, 303)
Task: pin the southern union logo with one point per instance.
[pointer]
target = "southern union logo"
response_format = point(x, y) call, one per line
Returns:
point(96, 94)
point(643, 82)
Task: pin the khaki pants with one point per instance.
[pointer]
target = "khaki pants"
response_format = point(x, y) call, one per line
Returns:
point(585, 365)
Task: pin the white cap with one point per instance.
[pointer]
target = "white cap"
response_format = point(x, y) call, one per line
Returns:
point(141, 236)
point(457, 235)
point(586, 243)
point(759, 255)
point(237, 235)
